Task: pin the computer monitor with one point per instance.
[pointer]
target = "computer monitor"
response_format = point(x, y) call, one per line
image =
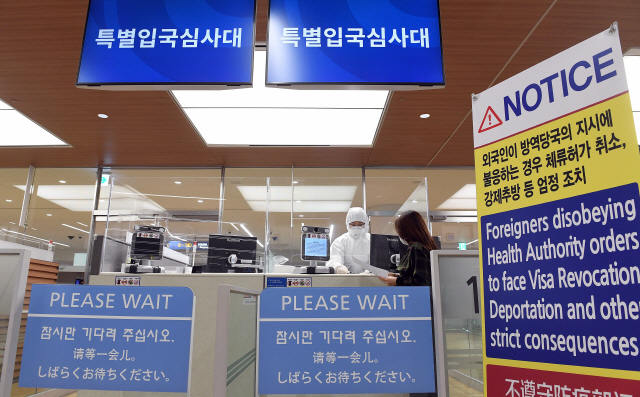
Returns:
point(227, 253)
point(147, 242)
point(386, 251)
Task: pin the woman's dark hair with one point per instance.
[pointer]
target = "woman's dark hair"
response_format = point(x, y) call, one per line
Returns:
point(411, 227)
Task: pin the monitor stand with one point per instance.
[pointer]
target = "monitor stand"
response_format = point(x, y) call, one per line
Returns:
point(313, 268)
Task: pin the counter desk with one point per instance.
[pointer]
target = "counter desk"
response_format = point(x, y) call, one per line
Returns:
point(205, 287)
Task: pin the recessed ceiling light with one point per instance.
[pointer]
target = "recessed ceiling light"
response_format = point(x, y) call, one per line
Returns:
point(281, 126)
point(49, 215)
point(425, 116)
point(178, 182)
point(8, 201)
point(33, 228)
point(301, 216)
point(468, 191)
point(200, 201)
point(297, 201)
point(18, 130)
point(632, 70)
point(12, 223)
point(62, 181)
point(81, 197)
point(103, 116)
point(73, 227)
point(295, 181)
point(414, 201)
point(463, 199)
point(246, 230)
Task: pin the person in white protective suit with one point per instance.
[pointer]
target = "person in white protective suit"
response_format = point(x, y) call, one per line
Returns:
point(351, 249)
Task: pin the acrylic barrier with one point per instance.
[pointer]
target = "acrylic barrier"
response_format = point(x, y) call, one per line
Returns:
point(262, 216)
point(459, 274)
point(325, 202)
point(236, 342)
point(186, 210)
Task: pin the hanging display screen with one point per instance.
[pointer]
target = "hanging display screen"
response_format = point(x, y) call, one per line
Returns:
point(167, 43)
point(355, 42)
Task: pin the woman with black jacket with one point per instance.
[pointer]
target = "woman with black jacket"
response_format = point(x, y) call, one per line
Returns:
point(415, 265)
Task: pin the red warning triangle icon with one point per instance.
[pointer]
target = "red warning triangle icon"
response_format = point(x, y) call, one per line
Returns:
point(490, 120)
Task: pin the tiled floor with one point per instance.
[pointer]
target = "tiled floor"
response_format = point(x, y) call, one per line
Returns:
point(456, 389)
point(459, 389)
point(28, 391)
point(23, 391)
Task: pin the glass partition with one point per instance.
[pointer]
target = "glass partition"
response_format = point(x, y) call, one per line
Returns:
point(9, 263)
point(281, 238)
point(241, 345)
point(307, 201)
point(452, 234)
point(245, 213)
point(459, 277)
point(325, 201)
point(388, 197)
point(185, 203)
point(59, 213)
point(14, 268)
point(323, 196)
point(188, 202)
point(451, 201)
point(246, 204)
point(12, 185)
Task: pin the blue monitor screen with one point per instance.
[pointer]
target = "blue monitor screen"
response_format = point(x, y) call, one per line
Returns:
point(316, 247)
point(364, 42)
point(168, 42)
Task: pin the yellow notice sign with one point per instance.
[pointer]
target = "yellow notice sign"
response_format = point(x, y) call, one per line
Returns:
point(557, 172)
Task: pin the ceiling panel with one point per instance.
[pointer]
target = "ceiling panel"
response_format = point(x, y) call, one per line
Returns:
point(476, 45)
point(568, 23)
point(40, 46)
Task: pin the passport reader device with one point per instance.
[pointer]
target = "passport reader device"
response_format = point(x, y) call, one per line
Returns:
point(315, 246)
point(147, 244)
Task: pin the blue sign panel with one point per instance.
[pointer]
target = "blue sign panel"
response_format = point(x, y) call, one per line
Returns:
point(276, 282)
point(346, 341)
point(108, 338)
point(365, 42)
point(169, 42)
point(561, 281)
